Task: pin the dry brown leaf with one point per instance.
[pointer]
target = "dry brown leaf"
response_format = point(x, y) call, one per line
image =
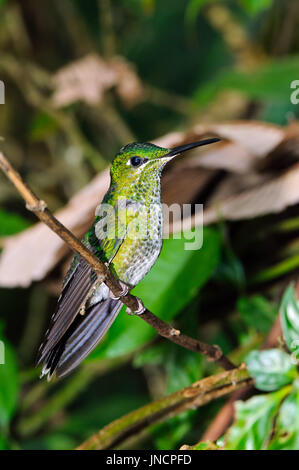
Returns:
point(244, 143)
point(229, 156)
point(29, 256)
point(285, 154)
point(235, 184)
point(184, 184)
point(258, 138)
point(129, 86)
point(32, 254)
point(86, 79)
point(272, 197)
point(89, 78)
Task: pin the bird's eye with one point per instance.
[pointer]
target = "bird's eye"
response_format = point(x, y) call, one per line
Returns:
point(136, 161)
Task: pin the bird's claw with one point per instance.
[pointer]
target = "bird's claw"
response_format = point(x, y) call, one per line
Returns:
point(141, 309)
point(125, 290)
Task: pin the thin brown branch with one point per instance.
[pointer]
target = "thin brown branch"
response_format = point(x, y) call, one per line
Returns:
point(33, 203)
point(198, 394)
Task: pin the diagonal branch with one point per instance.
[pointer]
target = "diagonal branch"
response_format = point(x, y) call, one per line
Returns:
point(198, 394)
point(39, 207)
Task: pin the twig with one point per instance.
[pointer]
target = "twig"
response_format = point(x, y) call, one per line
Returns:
point(214, 353)
point(198, 394)
point(177, 103)
point(108, 37)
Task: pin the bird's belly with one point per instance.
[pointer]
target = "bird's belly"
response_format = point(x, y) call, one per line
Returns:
point(134, 260)
point(136, 254)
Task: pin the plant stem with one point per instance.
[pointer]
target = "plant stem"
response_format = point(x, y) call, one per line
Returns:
point(198, 394)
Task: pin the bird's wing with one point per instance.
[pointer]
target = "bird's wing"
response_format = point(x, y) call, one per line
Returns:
point(81, 278)
point(74, 294)
point(81, 338)
point(111, 226)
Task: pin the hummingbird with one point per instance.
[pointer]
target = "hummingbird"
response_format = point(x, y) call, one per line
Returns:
point(127, 236)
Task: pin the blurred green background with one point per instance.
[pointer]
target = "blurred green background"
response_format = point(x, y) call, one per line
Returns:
point(191, 61)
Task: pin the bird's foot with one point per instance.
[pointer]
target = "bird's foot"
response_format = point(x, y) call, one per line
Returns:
point(125, 290)
point(141, 309)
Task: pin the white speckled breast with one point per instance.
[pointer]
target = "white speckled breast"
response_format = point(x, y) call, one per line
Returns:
point(137, 254)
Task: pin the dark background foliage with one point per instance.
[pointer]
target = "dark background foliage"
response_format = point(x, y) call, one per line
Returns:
point(196, 62)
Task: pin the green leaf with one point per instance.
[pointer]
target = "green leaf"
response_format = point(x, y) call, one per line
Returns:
point(183, 367)
point(178, 274)
point(271, 369)
point(9, 383)
point(166, 289)
point(271, 81)
point(192, 10)
point(256, 6)
point(289, 317)
point(152, 355)
point(257, 312)
point(208, 445)
point(254, 421)
point(168, 435)
point(230, 269)
point(283, 267)
point(4, 445)
point(11, 223)
point(42, 126)
point(286, 435)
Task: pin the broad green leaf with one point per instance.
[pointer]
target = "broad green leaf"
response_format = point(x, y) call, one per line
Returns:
point(289, 317)
point(254, 421)
point(167, 288)
point(4, 445)
point(9, 383)
point(178, 274)
point(152, 355)
point(286, 435)
point(271, 369)
point(257, 312)
point(11, 223)
point(256, 6)
point(271, 81)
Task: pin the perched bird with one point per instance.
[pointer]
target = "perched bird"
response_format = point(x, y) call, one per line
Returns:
point(127, 235)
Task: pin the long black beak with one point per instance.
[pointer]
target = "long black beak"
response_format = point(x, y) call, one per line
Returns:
point(182, 148)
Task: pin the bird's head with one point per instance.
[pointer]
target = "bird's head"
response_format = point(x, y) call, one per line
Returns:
point(145, 160)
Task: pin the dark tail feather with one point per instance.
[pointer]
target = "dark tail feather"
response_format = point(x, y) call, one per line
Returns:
point(81, 338)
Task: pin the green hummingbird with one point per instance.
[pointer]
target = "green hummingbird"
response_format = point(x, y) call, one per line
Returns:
point(127, 236)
